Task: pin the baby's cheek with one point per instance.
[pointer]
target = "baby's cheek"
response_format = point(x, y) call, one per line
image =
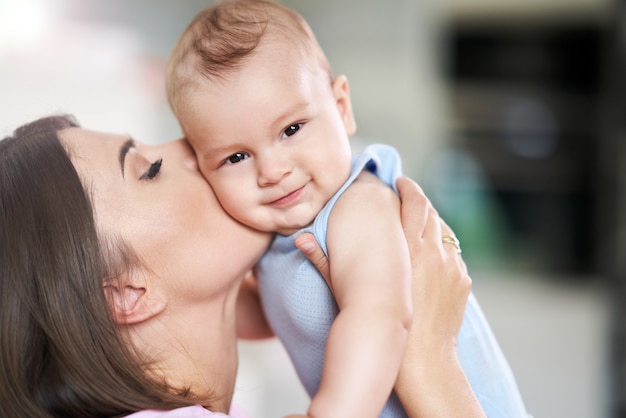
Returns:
point(232, 202)
point(204, 167)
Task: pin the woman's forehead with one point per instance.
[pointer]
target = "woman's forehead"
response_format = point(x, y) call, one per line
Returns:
point(95, 156)
point(88, 141)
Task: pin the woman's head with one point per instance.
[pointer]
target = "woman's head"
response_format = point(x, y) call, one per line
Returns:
point(74, 234)
point(154, 199)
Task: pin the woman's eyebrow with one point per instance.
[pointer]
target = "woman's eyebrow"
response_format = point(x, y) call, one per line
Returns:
point(126, 146)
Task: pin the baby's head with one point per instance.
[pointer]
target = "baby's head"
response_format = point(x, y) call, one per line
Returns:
point(254, 94)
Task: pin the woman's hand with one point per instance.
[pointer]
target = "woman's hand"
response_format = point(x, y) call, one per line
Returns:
point(431, 381)
point(441, 284)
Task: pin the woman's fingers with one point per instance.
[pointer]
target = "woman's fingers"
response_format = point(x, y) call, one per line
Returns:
point(452, 247)
point(311, 249)
point(440, 280)
point(415, 207)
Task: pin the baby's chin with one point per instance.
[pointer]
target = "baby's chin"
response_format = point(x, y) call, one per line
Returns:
point(287, 224)
point(293, 228)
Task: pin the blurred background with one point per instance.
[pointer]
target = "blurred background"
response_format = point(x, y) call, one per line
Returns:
point(510, 114)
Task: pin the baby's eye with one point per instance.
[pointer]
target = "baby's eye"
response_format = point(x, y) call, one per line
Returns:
point(153, 170)
point(237, 157)
point(292, 129)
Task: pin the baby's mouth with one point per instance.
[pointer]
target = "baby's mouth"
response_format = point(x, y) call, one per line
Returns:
point(288, 198)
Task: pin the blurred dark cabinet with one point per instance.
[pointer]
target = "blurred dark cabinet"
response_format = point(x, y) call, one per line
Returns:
point(611, 239)
point(525, 99)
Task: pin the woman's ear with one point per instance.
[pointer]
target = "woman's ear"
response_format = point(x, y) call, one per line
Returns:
point(131, 304)
point(341, 93)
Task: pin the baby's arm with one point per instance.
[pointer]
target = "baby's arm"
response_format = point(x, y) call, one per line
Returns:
point(251, 321)
point(371, 269)
point(431, 382)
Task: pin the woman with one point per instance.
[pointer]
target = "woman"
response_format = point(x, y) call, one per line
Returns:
point(121, 277)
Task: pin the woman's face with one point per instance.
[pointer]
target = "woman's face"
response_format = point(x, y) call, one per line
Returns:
point(155, 199)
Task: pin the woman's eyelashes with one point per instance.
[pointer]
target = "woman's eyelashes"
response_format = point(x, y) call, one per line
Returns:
point(152, 171)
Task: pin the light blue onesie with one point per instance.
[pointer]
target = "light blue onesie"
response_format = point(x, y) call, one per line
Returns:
point(300, 309)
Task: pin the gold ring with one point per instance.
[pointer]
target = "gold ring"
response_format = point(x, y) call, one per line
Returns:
point(452, 240)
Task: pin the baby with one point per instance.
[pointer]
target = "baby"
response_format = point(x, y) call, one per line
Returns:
point(270, 124)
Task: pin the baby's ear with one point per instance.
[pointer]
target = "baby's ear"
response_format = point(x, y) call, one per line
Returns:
point(341, 93)
point(130, 303)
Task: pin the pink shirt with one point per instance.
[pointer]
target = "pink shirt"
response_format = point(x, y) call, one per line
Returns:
point(189, 412)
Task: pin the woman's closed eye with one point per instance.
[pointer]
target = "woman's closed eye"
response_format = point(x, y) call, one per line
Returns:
point(152, 171)
point(291, 129)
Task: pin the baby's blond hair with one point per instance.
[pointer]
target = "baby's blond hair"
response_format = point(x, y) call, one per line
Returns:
point(220, 38)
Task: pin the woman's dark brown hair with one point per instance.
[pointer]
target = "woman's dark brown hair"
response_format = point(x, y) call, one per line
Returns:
point(61, 355)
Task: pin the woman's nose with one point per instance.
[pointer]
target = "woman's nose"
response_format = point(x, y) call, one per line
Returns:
point(179, 150)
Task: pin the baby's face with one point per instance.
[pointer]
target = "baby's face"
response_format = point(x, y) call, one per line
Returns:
point(272, 139)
